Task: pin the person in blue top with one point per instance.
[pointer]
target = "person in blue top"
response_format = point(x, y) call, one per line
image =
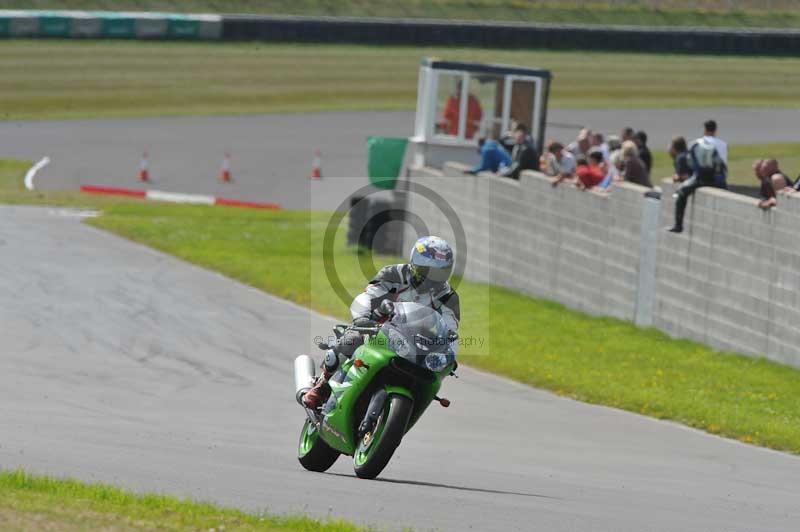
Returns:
point(493, 157)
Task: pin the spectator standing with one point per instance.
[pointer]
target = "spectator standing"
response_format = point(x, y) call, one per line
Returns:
point(679, 152)
point(707, 166)
point(598, 141)
point(452, 113)
point(615, 161)
point(640, 138)
point(493, 157)
point(523, 154)
point(710, 135)
point(580, 146)
point(633, 169)
point(626, 134)
point(558, 162)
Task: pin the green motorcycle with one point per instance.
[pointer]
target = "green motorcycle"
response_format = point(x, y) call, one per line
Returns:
point(379, 393)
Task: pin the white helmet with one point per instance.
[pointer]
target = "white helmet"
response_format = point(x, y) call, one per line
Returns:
point(431, 261)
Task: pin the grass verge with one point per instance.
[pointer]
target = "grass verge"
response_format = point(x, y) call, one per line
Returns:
point(736, 13)
point(541, 343)
point(29, 502)
point(90, 79)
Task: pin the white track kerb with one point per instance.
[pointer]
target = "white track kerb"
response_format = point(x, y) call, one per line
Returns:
point(31, 173)
point(159, 195)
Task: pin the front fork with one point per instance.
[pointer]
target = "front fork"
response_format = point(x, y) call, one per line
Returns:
point(373, 413)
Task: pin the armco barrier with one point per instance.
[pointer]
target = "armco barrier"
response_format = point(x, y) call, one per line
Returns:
point(731, 280)
point(109, 25)
point(511, 35)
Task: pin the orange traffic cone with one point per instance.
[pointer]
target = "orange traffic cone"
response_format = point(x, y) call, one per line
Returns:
point(144, 172)
point(316, 165)
point(225, 171)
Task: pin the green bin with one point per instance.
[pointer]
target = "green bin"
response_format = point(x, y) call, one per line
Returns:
point(384, 160)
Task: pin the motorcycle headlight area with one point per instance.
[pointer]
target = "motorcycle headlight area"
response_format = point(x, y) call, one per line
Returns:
point(436, 361)
point(398, 343)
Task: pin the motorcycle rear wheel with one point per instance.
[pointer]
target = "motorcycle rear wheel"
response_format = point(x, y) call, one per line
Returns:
point(312, 452)
point(375, 450)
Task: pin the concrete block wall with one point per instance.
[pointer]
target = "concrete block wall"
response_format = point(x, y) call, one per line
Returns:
point(580, 248)
point(731, 280)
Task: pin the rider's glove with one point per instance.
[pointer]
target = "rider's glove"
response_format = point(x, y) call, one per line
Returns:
point(364, 322)
point(384, 311)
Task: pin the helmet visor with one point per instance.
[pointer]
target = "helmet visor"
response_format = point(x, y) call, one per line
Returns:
point(429, 275)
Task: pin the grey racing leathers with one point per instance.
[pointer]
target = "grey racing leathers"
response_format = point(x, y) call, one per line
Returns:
point(394, 283)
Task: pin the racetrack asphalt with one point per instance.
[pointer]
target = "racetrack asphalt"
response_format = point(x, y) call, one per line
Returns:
point(125, 365)
point(272, 154)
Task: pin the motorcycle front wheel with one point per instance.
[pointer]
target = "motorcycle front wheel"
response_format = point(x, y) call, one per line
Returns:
point(376, 448)
point(312, 452)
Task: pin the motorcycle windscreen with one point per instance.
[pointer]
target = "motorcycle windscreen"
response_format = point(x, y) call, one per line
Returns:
point(416, 331)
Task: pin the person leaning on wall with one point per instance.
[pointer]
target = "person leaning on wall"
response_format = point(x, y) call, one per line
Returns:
point(772, 181)
point(523, 153)
point(557, 162)
point(494, 158)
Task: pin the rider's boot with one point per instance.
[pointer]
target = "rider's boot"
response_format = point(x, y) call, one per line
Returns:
point(320, 392)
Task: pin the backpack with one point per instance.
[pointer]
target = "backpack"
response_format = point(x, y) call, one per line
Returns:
point(706, 162)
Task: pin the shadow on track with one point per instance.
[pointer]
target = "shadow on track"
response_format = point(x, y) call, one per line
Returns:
point(451, 487)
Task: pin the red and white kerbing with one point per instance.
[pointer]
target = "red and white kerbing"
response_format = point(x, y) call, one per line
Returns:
point(174, 197)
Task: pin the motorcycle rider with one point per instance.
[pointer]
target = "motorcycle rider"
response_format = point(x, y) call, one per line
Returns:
point(424, 280)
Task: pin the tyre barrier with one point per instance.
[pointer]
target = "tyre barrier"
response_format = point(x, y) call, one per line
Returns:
point(109, 25)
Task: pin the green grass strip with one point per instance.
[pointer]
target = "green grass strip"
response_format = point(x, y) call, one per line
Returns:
point(89, 79)
point(30, 502)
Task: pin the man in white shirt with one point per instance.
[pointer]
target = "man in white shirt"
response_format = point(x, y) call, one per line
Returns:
point(710, 135)
point(708, 156)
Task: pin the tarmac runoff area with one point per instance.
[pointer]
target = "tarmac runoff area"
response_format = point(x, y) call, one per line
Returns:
point(271, 155)
point(125, 365)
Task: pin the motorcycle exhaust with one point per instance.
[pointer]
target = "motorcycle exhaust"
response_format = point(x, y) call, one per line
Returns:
point(304, 374)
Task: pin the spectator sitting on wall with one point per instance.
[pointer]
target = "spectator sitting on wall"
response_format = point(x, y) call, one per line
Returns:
point(452, 113)
point(493, 157)
point(594, 172)
point(640, 138)
point(633, 168)
point(680, 159)
point(707, 166)
point(580, 146)
point(710, 135)
point(523, 154)
point(772, 180)
point(558, 162)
